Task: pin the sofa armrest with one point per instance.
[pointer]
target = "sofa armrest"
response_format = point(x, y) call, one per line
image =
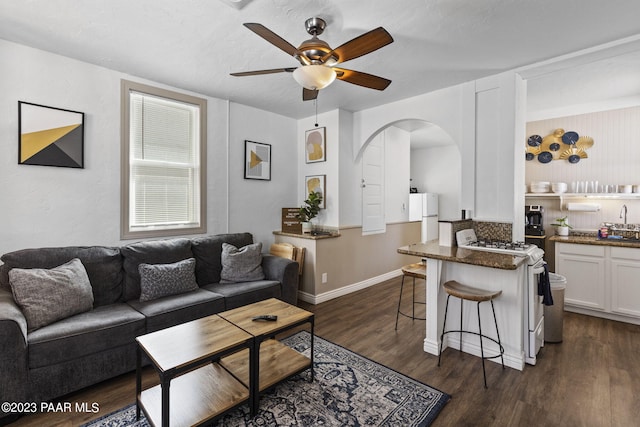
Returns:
point(284, 271)
point(13, 351)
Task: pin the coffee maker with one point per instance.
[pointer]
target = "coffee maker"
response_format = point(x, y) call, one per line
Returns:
point(534, 220)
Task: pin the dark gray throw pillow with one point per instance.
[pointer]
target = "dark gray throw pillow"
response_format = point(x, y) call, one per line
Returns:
point(48, 295)
point(241, 265)
point(161, 280)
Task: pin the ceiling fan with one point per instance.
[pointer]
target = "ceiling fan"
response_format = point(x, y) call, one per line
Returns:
point(318, 61)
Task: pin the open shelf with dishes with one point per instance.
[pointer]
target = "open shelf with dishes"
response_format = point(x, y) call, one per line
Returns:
point(562, 197)
point(621, 196)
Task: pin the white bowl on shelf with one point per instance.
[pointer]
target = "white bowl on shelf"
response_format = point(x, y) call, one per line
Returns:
point(559, 187)
point(540, 187)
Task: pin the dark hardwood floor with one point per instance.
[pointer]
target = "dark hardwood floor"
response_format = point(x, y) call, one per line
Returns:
point(592, 378)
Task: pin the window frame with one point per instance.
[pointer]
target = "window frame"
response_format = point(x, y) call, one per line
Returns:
point(126, 87)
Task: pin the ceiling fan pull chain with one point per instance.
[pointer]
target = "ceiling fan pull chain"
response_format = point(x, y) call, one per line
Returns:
point(315, 102)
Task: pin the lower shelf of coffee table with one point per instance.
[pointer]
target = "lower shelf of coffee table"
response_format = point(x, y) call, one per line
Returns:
point(277, 362)
point(196, 396)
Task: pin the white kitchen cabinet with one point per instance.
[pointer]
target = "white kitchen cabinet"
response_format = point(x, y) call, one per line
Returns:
point(584, 268)
point(602, 281)
point(625, 281)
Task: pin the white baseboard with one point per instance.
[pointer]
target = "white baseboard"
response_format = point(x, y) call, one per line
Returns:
point(345, 290)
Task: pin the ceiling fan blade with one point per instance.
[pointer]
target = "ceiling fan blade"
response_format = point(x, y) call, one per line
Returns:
point(272, 38)
point(362, 79)
point(361, 45)
point(309, 95)
point(259, 72)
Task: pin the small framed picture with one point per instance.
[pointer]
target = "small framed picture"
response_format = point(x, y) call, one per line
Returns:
point(50, 136)
point(314, 145)
point(316, 183)
point(257, 160)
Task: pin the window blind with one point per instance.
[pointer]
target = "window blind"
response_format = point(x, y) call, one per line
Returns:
point(164, 174)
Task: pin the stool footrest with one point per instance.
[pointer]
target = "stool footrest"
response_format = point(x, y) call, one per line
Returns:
point(482, 336)
point(412, 317)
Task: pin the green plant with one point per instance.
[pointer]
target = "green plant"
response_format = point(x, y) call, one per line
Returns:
point(311, 208)
point(562, 222)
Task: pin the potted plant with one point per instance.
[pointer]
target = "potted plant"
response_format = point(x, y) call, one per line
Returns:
point(563, 226)
point(309, 210)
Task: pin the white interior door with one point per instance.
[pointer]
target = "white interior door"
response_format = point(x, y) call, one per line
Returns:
point(373, 187)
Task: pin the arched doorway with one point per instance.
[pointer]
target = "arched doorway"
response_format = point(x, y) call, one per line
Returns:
point(418, 153)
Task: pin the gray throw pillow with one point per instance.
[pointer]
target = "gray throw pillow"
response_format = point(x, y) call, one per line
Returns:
point(241, 265)
point(48, 295)
point(161, 280)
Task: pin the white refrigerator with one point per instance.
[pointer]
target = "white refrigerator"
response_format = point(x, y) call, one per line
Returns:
point(424, 207)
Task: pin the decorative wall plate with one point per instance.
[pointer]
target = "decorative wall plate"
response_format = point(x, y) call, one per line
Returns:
point(545, 157)
point(574, 158)
point(584, 142)
point(570, 138)
point(534, 140)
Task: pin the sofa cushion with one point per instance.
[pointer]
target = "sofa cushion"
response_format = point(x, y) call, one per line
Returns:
point(241, 265)
point(150, 252)
point(175, 309)
point(103, 265)
point(48, 295)
point(100, 329)
point(208, 253)
point(239, 294)
point(161, 280)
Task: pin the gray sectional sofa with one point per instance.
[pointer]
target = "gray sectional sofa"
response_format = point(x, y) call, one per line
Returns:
point(92, 346)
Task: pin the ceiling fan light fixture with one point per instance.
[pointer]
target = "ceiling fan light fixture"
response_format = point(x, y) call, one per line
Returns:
point(314, 77)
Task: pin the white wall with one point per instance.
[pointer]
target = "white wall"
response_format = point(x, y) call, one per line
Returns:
point(437, 170)
point(256, 206)
point(350, 175)
point(48, 206)
point(397, 174)
point(330, 168)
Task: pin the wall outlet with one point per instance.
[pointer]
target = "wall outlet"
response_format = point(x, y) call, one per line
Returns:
point(324, 277)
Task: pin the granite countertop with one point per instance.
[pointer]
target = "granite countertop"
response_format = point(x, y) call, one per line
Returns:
point(433, 250)
point(308, 236)
point(593, 240)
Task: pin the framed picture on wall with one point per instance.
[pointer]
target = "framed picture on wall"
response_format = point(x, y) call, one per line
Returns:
point(316, 183)
point(257, 160)
point(314, 145)
point(50, 136)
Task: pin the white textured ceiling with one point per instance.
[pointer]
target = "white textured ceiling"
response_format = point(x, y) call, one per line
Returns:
point(195, 44)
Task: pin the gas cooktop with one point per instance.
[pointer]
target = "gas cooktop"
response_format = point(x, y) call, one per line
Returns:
point(467, 239)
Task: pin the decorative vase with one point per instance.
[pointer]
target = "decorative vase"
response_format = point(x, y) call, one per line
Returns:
point(563, 231)
point(306, 227)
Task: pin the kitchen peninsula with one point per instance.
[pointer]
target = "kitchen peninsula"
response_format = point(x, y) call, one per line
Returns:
point(484, 270)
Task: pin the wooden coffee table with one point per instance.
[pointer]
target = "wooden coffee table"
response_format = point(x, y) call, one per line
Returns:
point(197, 387)
point(272, 360)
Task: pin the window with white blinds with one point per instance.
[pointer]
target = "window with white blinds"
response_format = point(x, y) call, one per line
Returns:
point(164, 167)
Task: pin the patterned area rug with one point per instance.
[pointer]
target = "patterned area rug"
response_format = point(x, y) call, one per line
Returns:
point(349, 390)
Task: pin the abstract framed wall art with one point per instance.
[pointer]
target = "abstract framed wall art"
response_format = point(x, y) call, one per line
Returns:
point(316, 183)
point(257, 160)
point(50, 136)
point(315, 146)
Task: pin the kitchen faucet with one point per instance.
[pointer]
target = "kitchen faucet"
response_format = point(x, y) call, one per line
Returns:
point(624, 209)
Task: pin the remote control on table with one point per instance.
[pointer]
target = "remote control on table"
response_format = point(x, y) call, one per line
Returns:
point(266, 317)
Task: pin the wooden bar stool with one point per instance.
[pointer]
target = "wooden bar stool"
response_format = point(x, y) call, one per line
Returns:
point(458, 290)
point(415, 271)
